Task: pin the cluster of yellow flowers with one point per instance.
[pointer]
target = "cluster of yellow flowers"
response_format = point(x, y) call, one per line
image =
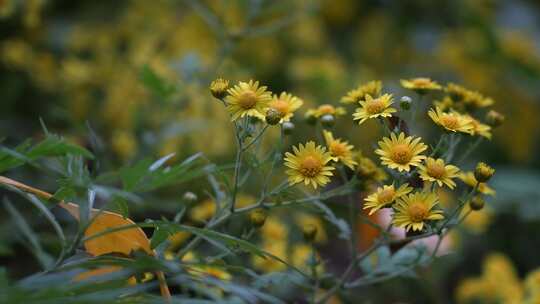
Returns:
point(499, 283)
point(405, 156)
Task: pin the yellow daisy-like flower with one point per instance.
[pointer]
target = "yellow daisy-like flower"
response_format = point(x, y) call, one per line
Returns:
point(400, 152)
point(372, 88)
point(469, 98)
point(445, 104)
point(451, 121)
point(327, 109)
point(474, 99)
point(248, 99)
point(269, 264)
point(385, 196)
point(413, 210)
point(469, 179)
point(308, 165)
point(340, 149)
point(420, 84)
point(479, 128)
point(435, 170)
point(274, 230)
point(374, 107)
point(368, 170)
point(285, 104)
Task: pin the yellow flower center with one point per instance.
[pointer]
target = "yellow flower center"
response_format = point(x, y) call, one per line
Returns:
point(327, 109)
point(386, 195)
point(421, 82)
point(375, 106)
point(281, 106)
point(247, 100)
point(310, 166)
point(338, 149)
point(401, 154)
point(435, 170)
point(418, 212)
point(449, 121)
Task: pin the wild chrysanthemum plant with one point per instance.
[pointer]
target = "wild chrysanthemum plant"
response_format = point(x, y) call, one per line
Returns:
point(258, 222)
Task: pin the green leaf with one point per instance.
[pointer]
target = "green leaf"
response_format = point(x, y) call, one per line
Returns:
point(159, 86)
point(51, 146)
point(121, 205)
point(160, 235)
point(31, 237)
point(147, 175)
point(54, 145)
point(231, 242)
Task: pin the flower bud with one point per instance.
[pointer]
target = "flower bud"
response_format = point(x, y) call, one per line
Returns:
point(189, 197)
point(405, 103)
point(310, 232)
point(494, 118)
point(219, 87)
point(328, 120)
point(476, 203)
point(273, 116)
point(288, 127)
point(310, 118)
point(257, 218)
point(483, 172)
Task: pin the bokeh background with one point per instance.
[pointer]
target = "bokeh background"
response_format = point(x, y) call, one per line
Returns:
point(135, 74)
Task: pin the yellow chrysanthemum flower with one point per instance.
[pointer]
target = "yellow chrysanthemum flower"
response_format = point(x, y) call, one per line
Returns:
point(326, 109)
point(420, 84)
point(469, 179)
point(532, 282)
point(274, 230)
point(451, 121)
point(372, 88)
point(368, 170)
point(301, 256)
point(308, 165)
point(268, 264)
point(445, 104)
point(210, 271)
point(469, 98)
point(340, 149)
point(474, 99)
point(374, 107)
point(384, 196)
point(285, 104)
point(248, 98)
point(479, 128)
point(203, 211)
point(435, 170)
point(413, 210)
point(400, 152)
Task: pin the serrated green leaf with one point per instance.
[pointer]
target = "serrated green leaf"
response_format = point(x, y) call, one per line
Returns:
point(56, 146)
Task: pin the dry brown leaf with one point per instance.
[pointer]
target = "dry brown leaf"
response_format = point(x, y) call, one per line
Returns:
point(123, 241)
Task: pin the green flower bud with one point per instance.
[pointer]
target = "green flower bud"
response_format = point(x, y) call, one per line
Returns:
point(273, 116)
point(310, 118)
point(477, 203)
point(494, 118)
point(219, 87)
point(328, 120)
point(483, 172)
point(405, 103)
point(310, 232)
point(189, 197)
point(257, 217)
point(288, 127)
